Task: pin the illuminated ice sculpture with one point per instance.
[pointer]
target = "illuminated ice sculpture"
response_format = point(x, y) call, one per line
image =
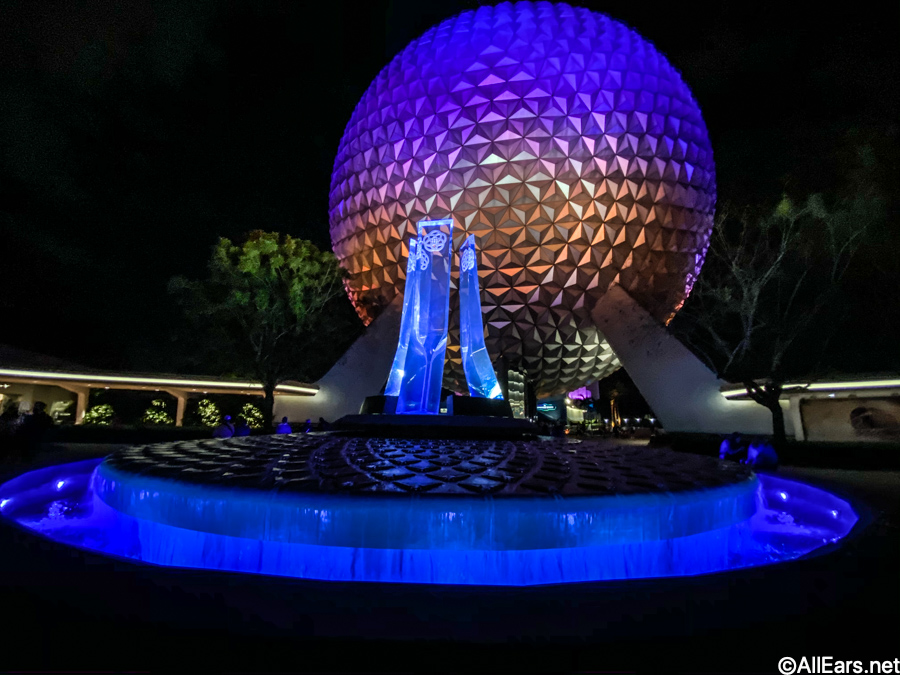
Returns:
point(480, 375)
point(417, 373)
point(425, 317)
point(411, 295)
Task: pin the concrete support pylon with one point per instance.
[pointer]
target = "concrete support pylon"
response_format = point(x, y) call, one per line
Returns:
point(683, 392)
point(81, 402)
point(181, 397)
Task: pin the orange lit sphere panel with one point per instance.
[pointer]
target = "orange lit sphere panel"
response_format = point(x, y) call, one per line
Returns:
point(569, 147)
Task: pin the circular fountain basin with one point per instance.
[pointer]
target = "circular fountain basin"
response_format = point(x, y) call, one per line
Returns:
point(451, 512)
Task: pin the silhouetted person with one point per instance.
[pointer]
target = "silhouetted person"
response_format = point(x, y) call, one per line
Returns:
point(224, 430)
point(10, 441)
point(33, 428)
point(39, 416)
point(9, 420)
point(307, 427)
point(323, 425)
point(284, 427)
point(241, 428)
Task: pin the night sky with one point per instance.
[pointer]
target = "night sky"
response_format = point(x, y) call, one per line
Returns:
point(133, 134)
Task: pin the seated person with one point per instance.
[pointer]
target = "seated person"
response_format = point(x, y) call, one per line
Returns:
point(241, 428)
point(761, 455)
point(284, 427)
point(732, 447)
point(224, 430)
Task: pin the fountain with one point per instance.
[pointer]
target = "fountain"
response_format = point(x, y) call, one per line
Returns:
point(513, 509)
point(388, 510)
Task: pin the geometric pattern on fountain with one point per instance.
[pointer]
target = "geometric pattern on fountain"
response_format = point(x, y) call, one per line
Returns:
point(565, 143)
point(323, 463)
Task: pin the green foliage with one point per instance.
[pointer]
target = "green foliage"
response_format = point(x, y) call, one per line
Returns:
point(209, 413)
point(270, 309)
point(101, 415)
point(253, 416)
point(156, 414)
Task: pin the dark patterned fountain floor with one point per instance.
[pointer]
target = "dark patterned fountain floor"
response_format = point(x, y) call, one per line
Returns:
point(340, 464)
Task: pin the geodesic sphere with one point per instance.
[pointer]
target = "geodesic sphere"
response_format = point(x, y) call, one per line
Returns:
point(565, 143)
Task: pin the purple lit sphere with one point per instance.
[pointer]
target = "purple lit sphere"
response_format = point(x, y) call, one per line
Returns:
point(569, 147)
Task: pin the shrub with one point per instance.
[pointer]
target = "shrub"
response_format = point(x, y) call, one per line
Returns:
point(100, 414)
point(156, 413)
point(209, 413)
point(253, 415)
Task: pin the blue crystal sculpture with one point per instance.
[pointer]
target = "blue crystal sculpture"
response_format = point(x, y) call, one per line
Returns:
point(423, 371)
point(410, 297)
point(480, 375)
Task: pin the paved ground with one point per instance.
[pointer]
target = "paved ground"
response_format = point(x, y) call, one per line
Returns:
point(73, 611)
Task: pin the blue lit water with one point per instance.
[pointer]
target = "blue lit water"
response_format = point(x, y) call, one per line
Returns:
point(407, 538)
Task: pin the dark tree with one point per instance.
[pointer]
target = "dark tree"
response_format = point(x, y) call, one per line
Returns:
point(273, 309)
point(770, 295)
point(618, 392)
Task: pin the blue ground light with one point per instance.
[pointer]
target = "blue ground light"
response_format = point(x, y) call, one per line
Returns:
point(480, 540)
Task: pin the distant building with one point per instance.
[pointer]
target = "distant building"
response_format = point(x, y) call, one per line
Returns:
point(26, 377)
point(848, 409)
